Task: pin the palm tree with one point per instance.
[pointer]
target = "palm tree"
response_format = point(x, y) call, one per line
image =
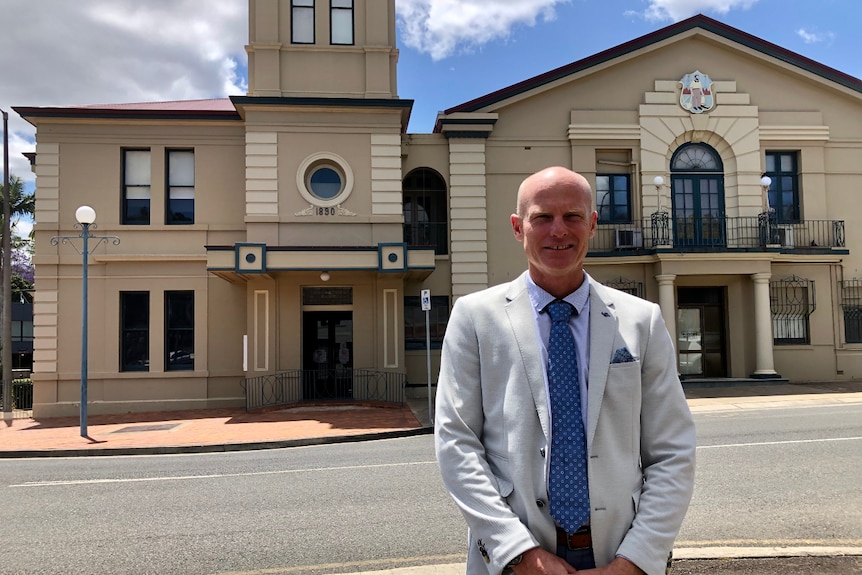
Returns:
point(21, 203)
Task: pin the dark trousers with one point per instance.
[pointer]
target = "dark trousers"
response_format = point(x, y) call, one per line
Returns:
point(577, 558)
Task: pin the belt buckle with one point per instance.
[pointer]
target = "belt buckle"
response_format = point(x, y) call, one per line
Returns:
point(580, 539)
point(577, 541)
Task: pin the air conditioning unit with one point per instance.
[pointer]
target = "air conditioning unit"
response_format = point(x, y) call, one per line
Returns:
point(629, 239)
point(785, 236)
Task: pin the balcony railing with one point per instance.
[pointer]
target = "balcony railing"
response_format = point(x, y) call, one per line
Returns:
point(427, 234)
point(758, 233)
point(314, 385)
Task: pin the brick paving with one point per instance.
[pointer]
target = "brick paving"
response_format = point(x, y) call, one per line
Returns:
point(210, 427)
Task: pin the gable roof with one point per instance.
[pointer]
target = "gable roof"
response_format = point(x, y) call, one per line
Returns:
point(699, 21)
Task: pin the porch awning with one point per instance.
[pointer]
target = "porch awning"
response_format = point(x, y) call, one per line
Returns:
point(245, 261)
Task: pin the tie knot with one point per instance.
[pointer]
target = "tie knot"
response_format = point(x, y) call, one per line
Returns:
point(560, 311)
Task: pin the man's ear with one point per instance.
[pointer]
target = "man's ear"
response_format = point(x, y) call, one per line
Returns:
point(517, 227)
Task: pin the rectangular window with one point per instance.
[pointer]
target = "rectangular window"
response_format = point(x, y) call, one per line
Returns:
point(136, 187)
point(341, 22)
point(613, 198)
point(179, 330)
point(792, 301)
point(414, 321)
point(783, 169)
point(134, 331)
point(851, 305)
point(302, 21)
point(181, 187)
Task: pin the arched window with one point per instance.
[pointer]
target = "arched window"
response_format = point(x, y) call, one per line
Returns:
point(425, 218)
point(697, 188)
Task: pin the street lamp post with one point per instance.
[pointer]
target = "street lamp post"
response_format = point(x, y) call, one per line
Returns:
point(86, 217)
point(6, 355)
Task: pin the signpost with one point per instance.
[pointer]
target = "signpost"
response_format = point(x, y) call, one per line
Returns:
point(426, 307)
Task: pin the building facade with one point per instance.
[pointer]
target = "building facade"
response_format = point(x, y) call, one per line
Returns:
point(275, 245)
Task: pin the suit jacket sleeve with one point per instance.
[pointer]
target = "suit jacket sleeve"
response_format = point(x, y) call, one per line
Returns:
point(480, 495)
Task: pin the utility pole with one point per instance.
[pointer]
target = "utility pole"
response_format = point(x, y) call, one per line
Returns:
point(7, 277)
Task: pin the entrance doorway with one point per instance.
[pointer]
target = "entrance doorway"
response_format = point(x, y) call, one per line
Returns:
point(701, 342)
point(327, 355)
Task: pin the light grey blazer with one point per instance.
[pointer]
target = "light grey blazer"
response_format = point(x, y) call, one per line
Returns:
point(492, 429)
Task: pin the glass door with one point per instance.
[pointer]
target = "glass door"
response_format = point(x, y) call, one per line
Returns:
point(327, 355)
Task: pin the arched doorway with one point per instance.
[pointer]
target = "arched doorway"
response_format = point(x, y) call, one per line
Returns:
point(697, 185)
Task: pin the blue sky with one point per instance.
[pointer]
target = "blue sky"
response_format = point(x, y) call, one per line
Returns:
point(61, 53)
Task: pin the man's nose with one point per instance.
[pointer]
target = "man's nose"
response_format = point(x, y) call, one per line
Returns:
point(558, 228)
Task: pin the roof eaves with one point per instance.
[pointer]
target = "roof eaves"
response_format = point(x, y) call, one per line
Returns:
point(698, 21)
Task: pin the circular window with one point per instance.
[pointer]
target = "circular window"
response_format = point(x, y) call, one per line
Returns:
point(325, 183)
point(324, 179)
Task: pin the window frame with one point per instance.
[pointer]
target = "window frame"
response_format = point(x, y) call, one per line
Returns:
point(311, 165)
point(125, 364)
point(170, 217)
point(414, 322)
point(174, 331)
point(301, 7)
point(611, 194)
point(125, 217)
point(333, 10)
point(432, 190)
point(780, 178)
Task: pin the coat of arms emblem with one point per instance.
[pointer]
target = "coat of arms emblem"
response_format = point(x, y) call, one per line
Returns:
point(697, 95)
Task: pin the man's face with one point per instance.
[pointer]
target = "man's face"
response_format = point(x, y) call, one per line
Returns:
point(555, 223)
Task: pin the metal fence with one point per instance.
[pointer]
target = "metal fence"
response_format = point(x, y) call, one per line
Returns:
point(22, 395)
point(297, 385)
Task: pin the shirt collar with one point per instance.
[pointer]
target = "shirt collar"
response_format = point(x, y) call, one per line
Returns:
point(578, 299)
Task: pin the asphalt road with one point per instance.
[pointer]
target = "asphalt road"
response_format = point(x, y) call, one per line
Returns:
point(765, 478)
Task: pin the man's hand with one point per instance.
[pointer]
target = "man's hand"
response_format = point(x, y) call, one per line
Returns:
point(537, 561)
point(619, 566)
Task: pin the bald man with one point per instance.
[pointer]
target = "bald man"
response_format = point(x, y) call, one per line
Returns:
point(495, 412)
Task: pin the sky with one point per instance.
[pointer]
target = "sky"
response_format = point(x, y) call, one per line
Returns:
point(67, 53)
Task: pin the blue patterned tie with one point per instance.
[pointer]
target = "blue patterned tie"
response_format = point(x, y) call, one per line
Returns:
point(569, 489)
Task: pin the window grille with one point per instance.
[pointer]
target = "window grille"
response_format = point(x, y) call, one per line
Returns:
point(851, 305)
point(327, 296)
point(627, 285)
point(792, 301)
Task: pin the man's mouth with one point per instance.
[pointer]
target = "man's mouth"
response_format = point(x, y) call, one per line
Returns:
point(559, 248)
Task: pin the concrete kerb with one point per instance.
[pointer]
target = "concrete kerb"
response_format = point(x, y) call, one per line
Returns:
point(692, 554)
point(216, 448)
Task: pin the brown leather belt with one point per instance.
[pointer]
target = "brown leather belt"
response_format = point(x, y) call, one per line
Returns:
point(580, 539)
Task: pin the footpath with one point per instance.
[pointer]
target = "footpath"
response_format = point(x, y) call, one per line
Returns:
point(211, 430)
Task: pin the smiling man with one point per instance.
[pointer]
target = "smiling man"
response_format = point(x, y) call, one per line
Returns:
point(562, 431)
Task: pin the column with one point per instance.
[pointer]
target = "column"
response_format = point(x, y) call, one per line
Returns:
point(764, 363)
point(667, 302)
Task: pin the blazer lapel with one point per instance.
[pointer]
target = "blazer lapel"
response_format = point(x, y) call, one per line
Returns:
point(603, 329)
point(519, 310)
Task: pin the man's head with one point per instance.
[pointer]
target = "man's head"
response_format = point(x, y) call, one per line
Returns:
point(555, 221)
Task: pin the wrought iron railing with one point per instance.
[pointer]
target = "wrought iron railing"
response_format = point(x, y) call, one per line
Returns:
point(427, 234)
point(22, 395)
point(757, 233)
point(314, 385)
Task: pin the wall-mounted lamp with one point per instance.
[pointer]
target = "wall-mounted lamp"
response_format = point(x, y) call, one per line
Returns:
point(659, 182)
point(324, 276)
point(765, 182)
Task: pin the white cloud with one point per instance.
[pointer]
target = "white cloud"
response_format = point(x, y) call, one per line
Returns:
point(441, 28)
point(676, 10)
point(57, 52)
point(814, 37)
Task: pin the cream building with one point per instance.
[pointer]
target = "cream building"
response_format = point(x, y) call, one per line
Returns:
point(274, 246)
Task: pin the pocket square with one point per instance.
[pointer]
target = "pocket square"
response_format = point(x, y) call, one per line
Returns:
point(623, 355)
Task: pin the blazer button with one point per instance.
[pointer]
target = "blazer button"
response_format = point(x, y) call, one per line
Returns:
point(542, 452)
point(540, 503)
